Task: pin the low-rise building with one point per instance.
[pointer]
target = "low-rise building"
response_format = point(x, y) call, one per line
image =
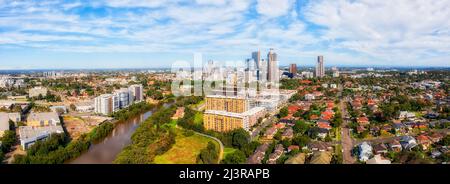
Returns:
point(258, 155)
point(43, 119)
point(84, 107)
point(321, 158)
point(29, 135)
point(279, 150)
point(395, 146)
point(377, 159)
point(408, 142)
point(36, 91)
point(287, 134)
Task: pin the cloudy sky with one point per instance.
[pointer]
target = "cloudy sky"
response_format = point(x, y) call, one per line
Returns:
point(155, 33)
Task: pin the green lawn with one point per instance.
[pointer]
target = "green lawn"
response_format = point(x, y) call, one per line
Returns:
point(198, 104)
point(228, 151)
point(198, 118)
point(185, 150)
point(171, 124)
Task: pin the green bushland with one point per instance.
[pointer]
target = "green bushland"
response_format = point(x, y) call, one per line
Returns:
point(58, 148)
point(132, 110)
point(8, 140)
point(150, 139)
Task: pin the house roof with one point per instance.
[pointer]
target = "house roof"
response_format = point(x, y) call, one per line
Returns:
point(423, 139)
point(45, 116)
point(377, 159)
point(323, 125)
point(297, 159)
point(321, 158)
point(362, 119)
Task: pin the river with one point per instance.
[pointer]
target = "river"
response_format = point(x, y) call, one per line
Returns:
point(106, 151)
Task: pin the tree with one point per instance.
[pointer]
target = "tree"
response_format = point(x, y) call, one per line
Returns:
point(73, 107)
point(445, 141)
point(237, 157)
point(209, 155)
point(284, 112)
point(8, 140)
point(240, 138)
point(300, 127)
point(301, 140)
point(12, 125)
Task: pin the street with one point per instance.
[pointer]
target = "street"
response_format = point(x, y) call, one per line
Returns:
point(346, 140)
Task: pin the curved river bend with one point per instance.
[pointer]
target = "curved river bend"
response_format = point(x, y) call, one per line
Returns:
point(106, 151)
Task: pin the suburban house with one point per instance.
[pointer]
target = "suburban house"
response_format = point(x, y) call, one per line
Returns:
point(406, 115)
point(279, 150)
point(365, 151)
point(424, 141)
point(258, 155)
point(270, 132)
point(408, 142)
point(380, 148)
point(363, 121)
point(395, 146)
point(320, 146)
point(297, 159)
point(321, 158)
point(287, 134)
point(377, 159)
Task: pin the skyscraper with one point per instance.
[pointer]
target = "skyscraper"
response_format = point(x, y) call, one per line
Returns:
point(256, 56)
point(293, 69)
point(272, 66)
point(320, 69)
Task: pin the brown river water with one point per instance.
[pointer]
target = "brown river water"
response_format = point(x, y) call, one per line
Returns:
point(106, 151)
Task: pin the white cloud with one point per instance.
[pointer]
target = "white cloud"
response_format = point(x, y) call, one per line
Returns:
point(388, 30)
point(274, 8)
point(210, 2)
point(136, 3)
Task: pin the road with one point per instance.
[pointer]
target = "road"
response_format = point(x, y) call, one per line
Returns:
point(220, 144)
point(266, 122)
point(221, 149)
point(346, 139)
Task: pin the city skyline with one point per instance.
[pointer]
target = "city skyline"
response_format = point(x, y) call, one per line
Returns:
point(79, 34)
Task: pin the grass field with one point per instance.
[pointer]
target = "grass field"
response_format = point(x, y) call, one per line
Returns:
point(198, 118)
point(228, 151)
point(185, 150)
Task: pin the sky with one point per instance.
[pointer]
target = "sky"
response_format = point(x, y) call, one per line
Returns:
point(69, 34)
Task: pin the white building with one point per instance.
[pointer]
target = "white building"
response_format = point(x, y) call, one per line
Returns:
point(36, 91)
point(123, 97)
point(377, 159)
point(29, 135)
point(320, 68)
point(310, 97)
point(307, 75)
point(104, 104)
point(136, 93)
point(84, 107)
point(365, 151)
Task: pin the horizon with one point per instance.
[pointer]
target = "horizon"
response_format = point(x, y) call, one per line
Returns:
point(79, 34)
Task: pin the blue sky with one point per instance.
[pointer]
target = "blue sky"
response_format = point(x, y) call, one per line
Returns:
point(156, 33)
